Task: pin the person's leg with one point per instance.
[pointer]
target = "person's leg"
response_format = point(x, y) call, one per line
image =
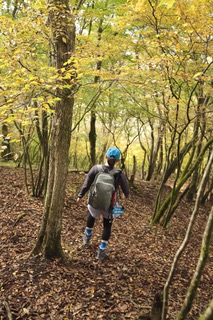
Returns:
point(90, 223)
point(88, 231)
point(107, 226)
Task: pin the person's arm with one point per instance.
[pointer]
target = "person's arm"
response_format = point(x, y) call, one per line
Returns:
point(87, 183)
point(124, 185)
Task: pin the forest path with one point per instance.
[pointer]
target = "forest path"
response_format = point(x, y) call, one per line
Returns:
point(122, 287)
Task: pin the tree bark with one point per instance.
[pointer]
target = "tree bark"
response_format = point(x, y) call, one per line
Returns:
point(174, 164)
point(208, 314)
point(92, 137)
point(92, 133)
point(134, 169)
point(49, 238)
point(174, 193)
point(42, 133)
point(195, 177)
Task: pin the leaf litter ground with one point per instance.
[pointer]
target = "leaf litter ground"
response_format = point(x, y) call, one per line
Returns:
point(122, 287)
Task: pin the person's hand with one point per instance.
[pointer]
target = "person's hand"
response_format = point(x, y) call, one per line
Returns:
point(123, 197)
point(79, 201)
point(123, 200)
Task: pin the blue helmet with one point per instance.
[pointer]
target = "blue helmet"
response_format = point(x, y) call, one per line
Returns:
point(113, 152)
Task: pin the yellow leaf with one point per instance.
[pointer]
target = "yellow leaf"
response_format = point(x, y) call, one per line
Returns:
point(26, 311)
point(168, 3)
point(92, 291)
point(198, 74)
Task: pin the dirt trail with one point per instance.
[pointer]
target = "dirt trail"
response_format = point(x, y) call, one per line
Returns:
point(123, 287)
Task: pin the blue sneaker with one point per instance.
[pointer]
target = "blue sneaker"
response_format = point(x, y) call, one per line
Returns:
point(86, 238)
point(101, 254)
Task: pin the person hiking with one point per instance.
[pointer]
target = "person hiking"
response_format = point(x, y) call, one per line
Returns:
point(97, 207)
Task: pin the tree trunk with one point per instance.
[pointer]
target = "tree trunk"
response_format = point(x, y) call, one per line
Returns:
point(174, 193)
point(92, 133)
point(200, 125)
point(174, 164)
point(6, 153)
point(42, 133)
point(49, 239)
point(157, 306)
point(208, 314)
point(92, 137)
point(208, 192)
point(134, 169)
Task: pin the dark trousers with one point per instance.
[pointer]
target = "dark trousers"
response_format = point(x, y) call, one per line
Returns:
point(107, 226)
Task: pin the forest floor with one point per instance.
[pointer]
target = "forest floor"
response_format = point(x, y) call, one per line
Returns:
point(122, 287)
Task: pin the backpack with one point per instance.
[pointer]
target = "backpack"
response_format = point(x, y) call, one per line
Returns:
point(103, 189)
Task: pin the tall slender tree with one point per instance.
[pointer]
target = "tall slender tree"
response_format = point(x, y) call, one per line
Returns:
point(63, 39)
